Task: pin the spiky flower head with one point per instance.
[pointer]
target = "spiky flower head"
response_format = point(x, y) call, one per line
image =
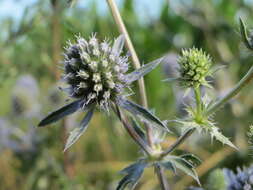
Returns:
point(95, 73)
point(194, 67)
point(94, 70)
point(242, 180)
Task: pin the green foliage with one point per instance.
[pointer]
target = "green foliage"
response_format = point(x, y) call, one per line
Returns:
point(28, 48)
point(216, 180)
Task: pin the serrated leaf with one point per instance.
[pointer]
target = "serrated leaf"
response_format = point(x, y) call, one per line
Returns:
point(118, 45)
point(77, 132)
point(138, 110)
point(214, 132)
point(133, 174)
point(137, 74)
point(244, 35)
point(183, 165)
point(191, 158)
point(60, 113)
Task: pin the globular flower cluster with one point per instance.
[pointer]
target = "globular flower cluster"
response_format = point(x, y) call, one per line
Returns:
point(243, 180)
point(194, 67)
point(94, 71)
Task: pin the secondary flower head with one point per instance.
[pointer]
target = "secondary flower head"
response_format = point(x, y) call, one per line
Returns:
point(95, 71)
point(194, 67)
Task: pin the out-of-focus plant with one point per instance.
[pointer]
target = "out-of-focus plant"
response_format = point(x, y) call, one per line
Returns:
point(229, 180)
point(25, 97)
point(250, 135)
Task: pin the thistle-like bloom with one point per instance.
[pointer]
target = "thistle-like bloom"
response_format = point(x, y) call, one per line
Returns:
point(96, 75)
point(94, 71)
point(243, 180)
point(194, 67)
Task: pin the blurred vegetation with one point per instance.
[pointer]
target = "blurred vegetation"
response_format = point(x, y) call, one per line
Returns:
point(32, 158)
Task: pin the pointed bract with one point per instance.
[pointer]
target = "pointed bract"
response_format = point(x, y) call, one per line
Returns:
point(78, 131)
point(62, 112)
point(137, 74)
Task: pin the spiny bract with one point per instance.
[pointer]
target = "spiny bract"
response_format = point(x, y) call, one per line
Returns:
point(94, 70)
point(194, 67)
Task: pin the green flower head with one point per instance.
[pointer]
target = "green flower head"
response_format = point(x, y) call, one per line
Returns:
point(194, 67)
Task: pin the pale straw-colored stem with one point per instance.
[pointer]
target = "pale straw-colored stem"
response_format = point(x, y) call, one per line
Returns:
point(122, 28)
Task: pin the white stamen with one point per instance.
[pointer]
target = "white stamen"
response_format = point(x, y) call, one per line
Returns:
point(111, 84)
point(83, 74)
point(112, 57)
point(98, 87)
point(90, 97)
point(93, 41)
point(96, 77)
point(105, 47)
point(108, 75)
point(104, 63)
point(93, 65)
point(106, 95)
point(85, 56)
point(116, 68)
point(82, 85)
point(96, 52)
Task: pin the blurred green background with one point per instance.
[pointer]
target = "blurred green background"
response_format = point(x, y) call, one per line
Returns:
point(32, 37)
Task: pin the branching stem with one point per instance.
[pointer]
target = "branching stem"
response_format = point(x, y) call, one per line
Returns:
point(162, 179)
point(242, 83)
point(144, 146)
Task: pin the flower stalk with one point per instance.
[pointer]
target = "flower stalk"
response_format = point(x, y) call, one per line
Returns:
point(198, 101)
point(162, 179)
point(122, 28)
point(242, 83)
point(144, 146)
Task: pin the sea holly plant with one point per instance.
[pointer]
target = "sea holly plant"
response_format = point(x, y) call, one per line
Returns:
point(195, 67)
point(96, 76)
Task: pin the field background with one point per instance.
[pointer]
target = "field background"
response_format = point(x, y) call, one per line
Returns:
point(32, 36)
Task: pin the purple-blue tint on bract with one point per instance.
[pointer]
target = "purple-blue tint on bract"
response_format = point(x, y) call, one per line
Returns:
point(17, 140)
point(240, 180)
point(25, 96)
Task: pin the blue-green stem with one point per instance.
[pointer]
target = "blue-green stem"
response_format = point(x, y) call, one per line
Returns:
point(242, 83)
point(135, 136)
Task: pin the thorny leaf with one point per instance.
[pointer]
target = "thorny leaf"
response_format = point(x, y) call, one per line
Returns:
point(244, 35)
point(62, 112)
point(137, 74)
point(183, 165)
point(77, 132)
point(191, 158)
point(133, 174)
point(214, 132)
